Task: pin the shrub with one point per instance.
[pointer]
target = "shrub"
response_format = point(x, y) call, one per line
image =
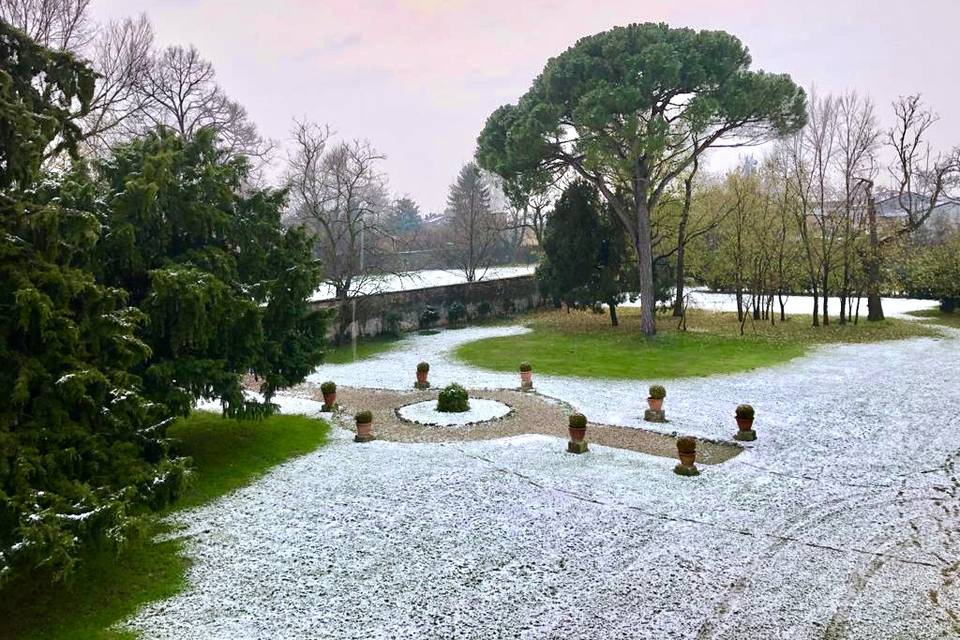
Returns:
point(428, 317)
point(328, 387)
point(687, 444)
point(577, 420)
point(363, 417)
point(509, 306)
point(526, 366)
point(745, 411)
point(391, 323)
point(658, 392)
point(453, 399)
point(484, 309)
point(423, 367)
point(456, 313)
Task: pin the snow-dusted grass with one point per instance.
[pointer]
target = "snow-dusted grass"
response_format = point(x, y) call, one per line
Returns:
point(838, 522)
point(481, 410)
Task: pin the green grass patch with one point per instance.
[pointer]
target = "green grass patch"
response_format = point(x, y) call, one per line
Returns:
point(939, 317)
point(584, 344)
point(108, 587)
point(366, 348)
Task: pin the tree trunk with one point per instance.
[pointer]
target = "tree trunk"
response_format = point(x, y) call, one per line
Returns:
point(874, 305)
point(613, 314)
point(648, 323)
point(678, 301)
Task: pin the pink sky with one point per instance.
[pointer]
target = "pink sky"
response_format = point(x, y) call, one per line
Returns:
point(419, 77)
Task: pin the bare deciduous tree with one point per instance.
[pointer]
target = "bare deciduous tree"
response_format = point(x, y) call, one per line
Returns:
point(339, 194)
point(857, 141)
point(58, 24)
point(179, 91)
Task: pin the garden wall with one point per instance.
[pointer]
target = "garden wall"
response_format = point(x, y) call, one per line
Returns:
point(377, 312)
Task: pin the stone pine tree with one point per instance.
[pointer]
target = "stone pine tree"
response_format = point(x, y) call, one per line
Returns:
point(585, 260)
point(629, 110)
point(223, 285)
point(81, 449)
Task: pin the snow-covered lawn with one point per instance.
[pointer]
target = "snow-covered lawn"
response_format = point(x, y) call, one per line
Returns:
point(803, 305)
point(838, 522)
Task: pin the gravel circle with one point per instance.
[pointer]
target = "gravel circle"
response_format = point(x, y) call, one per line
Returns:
point(426, 413)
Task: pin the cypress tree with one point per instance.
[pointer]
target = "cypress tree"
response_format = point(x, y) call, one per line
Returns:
point(82, 451)
point(224, 287)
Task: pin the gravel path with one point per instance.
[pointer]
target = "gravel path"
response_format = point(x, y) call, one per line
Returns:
point(532, 414)
point(839, 522)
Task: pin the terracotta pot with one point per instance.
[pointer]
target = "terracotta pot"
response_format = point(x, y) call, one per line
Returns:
point(364, 428)
point(745, 424)
point(655, 403)
point(422, 376)
point(577, 434)
point(688, 459)
point(526, 376)
point(330, 399)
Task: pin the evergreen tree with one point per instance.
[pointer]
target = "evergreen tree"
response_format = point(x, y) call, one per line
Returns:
point(81, 450)
point(223, 285)
point(585, 253)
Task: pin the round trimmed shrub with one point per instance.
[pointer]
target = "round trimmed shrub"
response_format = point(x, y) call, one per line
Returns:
point(658, 392)
point(526, 366)
point(428, 317)
point(745, 411)
point(456, 312)
point(423, 367)
point(328, 387)
point(364, 417)
point(577, 421)
point(687, 444)
point(484, 309)
point(453, 399)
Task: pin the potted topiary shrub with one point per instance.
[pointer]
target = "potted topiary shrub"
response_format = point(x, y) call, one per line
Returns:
point(745, 414)
point(526, 375)
point(423, 369)
point(687, 451)
point(655, 399)
point(577, 425)
point(453, 398)
point(329, 391)
point(364, 421)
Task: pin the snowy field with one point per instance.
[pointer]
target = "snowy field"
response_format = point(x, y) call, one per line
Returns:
point(423, 279)
point(840, 521)
point(803, 305)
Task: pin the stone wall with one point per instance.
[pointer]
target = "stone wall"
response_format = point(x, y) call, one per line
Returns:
point(504, 296)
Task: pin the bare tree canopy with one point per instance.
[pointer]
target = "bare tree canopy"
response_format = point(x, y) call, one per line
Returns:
point(137, 87)
point(339, 193)
point(179, 91)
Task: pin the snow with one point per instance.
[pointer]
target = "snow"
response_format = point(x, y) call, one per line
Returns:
point(287, 404)
point(802, 305)
point(410, 280)
point(837, 522)
point(481, 410)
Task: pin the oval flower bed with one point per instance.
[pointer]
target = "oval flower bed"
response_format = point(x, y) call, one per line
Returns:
point(426, 413)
